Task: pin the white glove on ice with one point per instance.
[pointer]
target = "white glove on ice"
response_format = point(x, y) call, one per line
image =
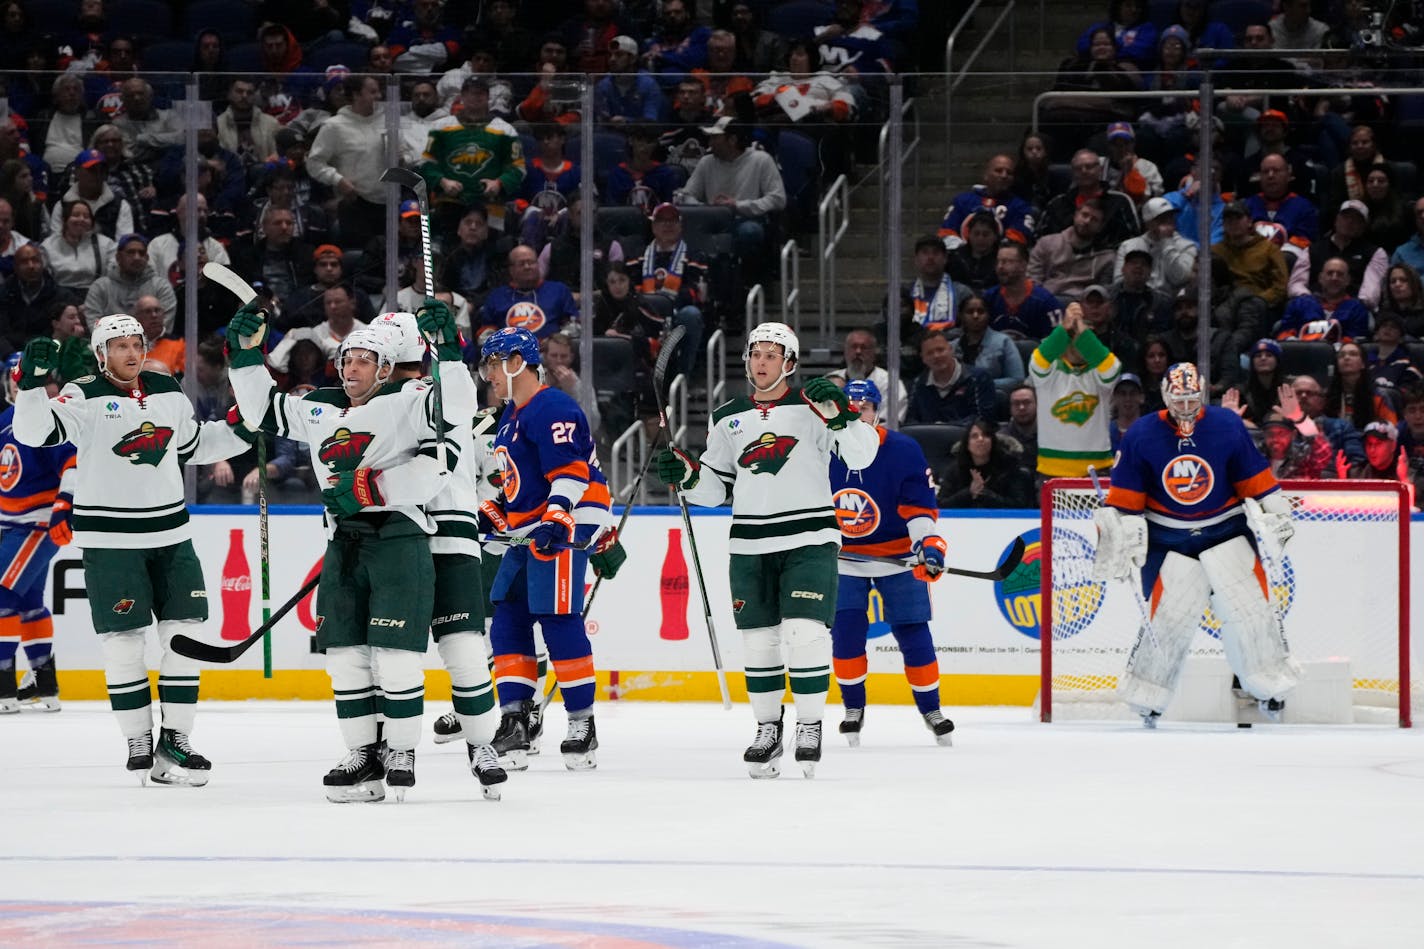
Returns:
point(1122, 544)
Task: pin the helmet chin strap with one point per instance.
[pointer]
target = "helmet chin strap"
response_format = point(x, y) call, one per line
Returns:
point(785, 373)
point(376, 383)
point(114, 377)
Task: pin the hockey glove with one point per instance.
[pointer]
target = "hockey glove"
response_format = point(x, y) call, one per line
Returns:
point(491, 518)
point(829, 401)
point(608, 556)
point(39, 358)
point(1271, 517)
point(1122, 544)
point(61, 517)
point(677, 469)
point(555, 531)
point(353, 491)
point(930, 552)
point(239, 427)
point(245, 333)
point(437, 324)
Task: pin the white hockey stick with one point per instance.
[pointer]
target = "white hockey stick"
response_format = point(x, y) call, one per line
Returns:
point(1134, 584)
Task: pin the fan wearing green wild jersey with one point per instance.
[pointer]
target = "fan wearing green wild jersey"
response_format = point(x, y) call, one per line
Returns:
point(771, 454)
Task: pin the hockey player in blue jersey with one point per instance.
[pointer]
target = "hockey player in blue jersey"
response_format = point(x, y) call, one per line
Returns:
point(36, 505)
point(886, 510)
point(555, 494)
point(1190, 495)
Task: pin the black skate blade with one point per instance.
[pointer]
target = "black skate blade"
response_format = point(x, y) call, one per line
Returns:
point(366, 792)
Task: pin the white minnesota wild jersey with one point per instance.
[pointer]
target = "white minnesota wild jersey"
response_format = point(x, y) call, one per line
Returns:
point(132, 444)
point(773, 460)
point(394, 433)
point(457, 529)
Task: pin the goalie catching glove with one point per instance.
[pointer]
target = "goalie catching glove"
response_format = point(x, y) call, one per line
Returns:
point(608, 555)
point(1270, 517)
point(930, 552)
point(353, 491)
point(677, 469)
point(830, 402)
point(1122, 544)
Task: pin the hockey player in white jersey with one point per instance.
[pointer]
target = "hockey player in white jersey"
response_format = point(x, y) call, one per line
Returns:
point(134, 431)
point(376, 442)
point(771, 455)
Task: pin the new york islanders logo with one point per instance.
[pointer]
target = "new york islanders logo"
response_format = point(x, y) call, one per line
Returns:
point(343, 449)
point(1187, 479)
point(145, 445)
point(767, 454)
point(525, 316)
point(1075, 408)
point(508, 473)
point(11, 467)
point(857, 514)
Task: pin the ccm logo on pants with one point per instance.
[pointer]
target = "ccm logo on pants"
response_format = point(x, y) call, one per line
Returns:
point(806, 595)
point(384, 621)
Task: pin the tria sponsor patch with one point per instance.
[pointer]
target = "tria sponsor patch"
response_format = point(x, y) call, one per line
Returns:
point(767, 454)
point(145, 445)
point(343, 449)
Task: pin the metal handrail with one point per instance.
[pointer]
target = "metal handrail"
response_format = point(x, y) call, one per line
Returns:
point(951, 82)
point(791, 285)
point(677, 411)
point(633, 444)
point(716, 370)
point(905, 153)
point(832, 221)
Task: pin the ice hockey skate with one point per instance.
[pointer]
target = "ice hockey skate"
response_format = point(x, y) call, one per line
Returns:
point(40, 687)
point(1253, 711)
point(511, 740)
point(9, 704)
point(1150, 719)
point(141, 756)
point(484, 765)
point(808, 747)
point(356, 778)
point(941, 726)
point(447, 727)
point(850, 728)
point(763, 757)
point(579, 745)
point(535, 730)
point(400, 772)
point(175, 763)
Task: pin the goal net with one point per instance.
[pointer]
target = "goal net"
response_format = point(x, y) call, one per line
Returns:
point(1340, 588)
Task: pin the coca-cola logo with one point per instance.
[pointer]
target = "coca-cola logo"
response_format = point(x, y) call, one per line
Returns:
point(240, 584)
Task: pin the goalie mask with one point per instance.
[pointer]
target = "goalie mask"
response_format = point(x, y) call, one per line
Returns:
point(117, 326)
point(783, 336)
point(1182, 393)
point(381, 347)
point(405, 334)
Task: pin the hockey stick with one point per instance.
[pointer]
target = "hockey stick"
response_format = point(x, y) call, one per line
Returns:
point(669, 346)
point(409, 179)
point(234, 284)
point(1136, 586)
point(697, 569)
point(524, 540)
point(1006, 566)
point(208, 652)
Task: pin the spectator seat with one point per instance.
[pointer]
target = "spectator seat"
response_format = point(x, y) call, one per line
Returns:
point(1308, 357)
point(234, 22)
point(351, 55)
point(143, 19)
point(244, 58)
point(614, 368)
point(796, 155)
point(700, 223)
point(52, 16)
point(625, 225)
point(798, 19)
point(937, 442)
point(168, 56)
point(609, 148)
point(1026, 348)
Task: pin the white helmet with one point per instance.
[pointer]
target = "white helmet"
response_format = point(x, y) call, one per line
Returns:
point(783, 336)
point(405, 331)
point(379, 341)
point(116, 326)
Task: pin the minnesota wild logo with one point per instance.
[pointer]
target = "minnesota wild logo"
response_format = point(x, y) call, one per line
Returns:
point(1075, 408)
point(767, 454)
point(145, 445)
point(342, 451)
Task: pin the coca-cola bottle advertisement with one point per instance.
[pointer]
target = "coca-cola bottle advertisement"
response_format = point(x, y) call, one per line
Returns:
point(673, 588)
point(236, 589)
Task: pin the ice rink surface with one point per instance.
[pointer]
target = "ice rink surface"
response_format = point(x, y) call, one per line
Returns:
point(1022, 835)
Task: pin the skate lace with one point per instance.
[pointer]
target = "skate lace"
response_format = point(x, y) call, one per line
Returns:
point(808, 736)
point(766, 735)
point(179, 741)
point(354, 761)
point(854, 714)
point(935, 717)
point(578, 728)
point(400, 760)
point(449, 719)
point(141, 745)
point(486, 758)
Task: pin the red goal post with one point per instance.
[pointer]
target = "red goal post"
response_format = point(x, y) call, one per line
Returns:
point(1341, 590)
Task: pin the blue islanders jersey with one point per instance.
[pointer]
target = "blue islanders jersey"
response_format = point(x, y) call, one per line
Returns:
point(545, 449)
point(29, 477)
point(884, 508)
point(1187, 485)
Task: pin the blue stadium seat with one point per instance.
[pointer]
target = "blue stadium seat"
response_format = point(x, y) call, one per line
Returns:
point(168, 56)
point(623, 224)
point(144, 19)
point(701, 223)
point(799, 18)
point(244, 58)
point(234, 22)
point(614, 367)
point(796, 154)
point(937, 442)
point(351, 55)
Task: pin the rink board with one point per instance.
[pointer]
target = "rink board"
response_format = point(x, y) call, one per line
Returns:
point(986, 633)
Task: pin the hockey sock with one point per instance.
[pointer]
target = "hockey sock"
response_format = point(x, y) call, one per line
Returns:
point(9, 638)
point(355, 692)
point(921, 664)
point(808, 662)
point(573, 660)
point(37, 635)
point(512, 642)
point(402, 693)
point(177, 678)
point(848, 650)
point(766, 673)
point(465, 657)
point(127, 678)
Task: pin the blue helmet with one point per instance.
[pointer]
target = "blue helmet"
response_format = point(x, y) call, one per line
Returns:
point(511, 341)
point(863, 390)
point(12, 363)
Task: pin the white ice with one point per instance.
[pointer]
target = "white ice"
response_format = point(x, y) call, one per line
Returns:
point(1021, 835)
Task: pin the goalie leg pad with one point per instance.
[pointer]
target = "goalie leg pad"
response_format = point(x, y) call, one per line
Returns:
point(353, 683)
point(808, 662)
point(1254, 644)
point(402, 688)
point(765, 670)
point(126, 674)
point(1179, 595)
point(467, 659)
point(177, 677)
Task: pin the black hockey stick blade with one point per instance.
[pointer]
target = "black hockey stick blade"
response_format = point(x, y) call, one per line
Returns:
point(211, 652)
point(1007, 566)
point(669, 346)
point(517, 540)
point(406, 179)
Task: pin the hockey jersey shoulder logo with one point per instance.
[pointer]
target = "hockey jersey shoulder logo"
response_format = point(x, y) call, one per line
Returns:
point(343, 448)
point(768, 454)
point(12, 468)
point(1187, 479)
point(145, 445)
point(857, 514)
point(1075, 408)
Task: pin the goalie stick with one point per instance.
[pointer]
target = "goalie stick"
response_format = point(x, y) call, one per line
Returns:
point(1006, 566)
point(209, 652)
point(1136, 585)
